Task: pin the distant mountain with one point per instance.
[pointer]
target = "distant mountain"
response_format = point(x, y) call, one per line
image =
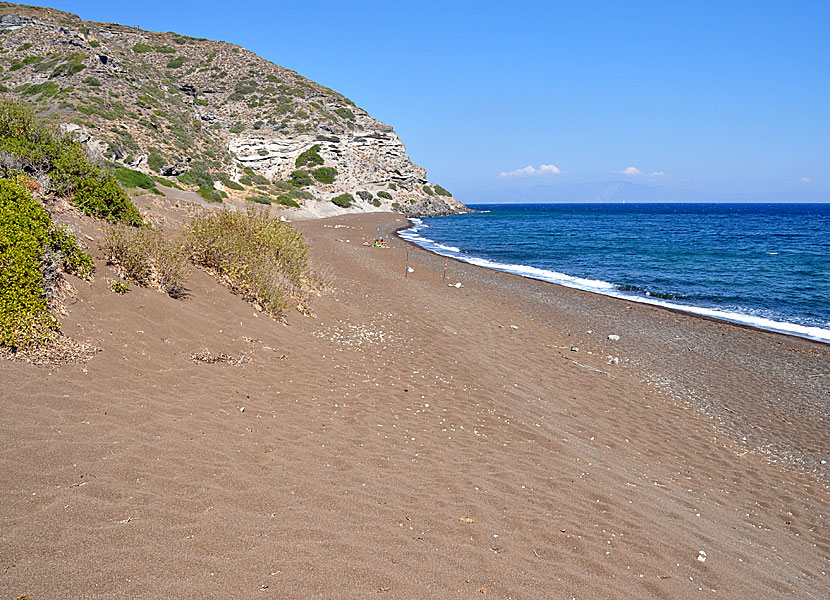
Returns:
point(209, 114)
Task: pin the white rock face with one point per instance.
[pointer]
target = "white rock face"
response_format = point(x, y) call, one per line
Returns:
point(361, 158)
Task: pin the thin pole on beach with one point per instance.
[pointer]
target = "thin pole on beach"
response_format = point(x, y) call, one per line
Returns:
point(444, 276)
point(406, 269)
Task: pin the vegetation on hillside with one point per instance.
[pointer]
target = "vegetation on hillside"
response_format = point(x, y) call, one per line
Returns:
point(30, 147)
point(32, 253)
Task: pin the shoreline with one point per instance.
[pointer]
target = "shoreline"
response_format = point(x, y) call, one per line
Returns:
point(665, 305)
point(812, 402)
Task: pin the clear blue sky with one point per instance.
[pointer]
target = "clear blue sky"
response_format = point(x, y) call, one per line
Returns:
point(720, 100)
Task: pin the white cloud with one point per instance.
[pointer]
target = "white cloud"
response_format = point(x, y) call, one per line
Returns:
point(549, 169)
point(531, 170)
point(805, 180)
point(631, 171)
point(635, 172)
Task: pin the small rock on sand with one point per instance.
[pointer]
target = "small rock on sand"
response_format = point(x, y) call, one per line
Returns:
point(614, 338)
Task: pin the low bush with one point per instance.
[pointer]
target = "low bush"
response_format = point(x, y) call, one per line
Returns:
point(441, 191)
point(365, 195)
point(154, 159)
point(145, 257)
point(310, 157)
point(345, 113)
point(385, 195)
point(262, 259)
point(120, 287)
point(167, 182)
point(301, 178)
point(228, 183)
point(259, 199)
point(393, 187)
point(30, 244)
point(210, 194)
point(142, 48)
point(343, 200)
point(428, 191)
point(325, 174)
point(175, 63)
point(375, 202)
point(286, 201)
point(132, 179)
point(237, 128)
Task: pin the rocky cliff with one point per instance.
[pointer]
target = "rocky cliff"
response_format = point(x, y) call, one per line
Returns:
point(209, 116)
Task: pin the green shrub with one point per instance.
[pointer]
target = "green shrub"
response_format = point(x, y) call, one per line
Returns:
point(325, 174)
point(287, 201)
point(343, 200)
point(143, 256)
point(259, 179)
point(210, 194)
point(92, 81)
point(228, 183)
point(40, 150)
point(259, 199)
point(94, 43)
point(301, 178)
point(375, 202)
point(30, 243)
point(262, 259)
point(167, 182)
point(155, 160)
point(73, 65)
point(245, 180)
point(165, 49)
point(345, 113)
point(428, 191)
point(441, 191)
point(237, 128)
point(396, 206)
point(393, 187)
point(131, 179)
point(365, 195)
point(175, 63)
point(385, 195)
point(309, 157)
point(142, 48)
point(120, 287)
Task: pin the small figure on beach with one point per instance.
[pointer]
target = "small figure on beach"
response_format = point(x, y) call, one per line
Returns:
point(380, 243)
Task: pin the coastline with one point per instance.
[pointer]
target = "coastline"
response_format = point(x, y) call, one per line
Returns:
point(412, 440)
point(713, 399)
point(808, 332)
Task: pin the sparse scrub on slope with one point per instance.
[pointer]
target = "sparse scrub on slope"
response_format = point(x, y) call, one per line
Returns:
point(145, 257)
point(29, 147)
point(262, 259)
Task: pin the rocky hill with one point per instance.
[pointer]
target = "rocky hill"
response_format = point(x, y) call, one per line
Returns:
point(208, 116)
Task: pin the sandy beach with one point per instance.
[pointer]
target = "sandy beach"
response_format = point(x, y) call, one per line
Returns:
point(413, 440)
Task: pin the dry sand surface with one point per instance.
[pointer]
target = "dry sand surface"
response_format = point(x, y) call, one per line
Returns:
point(413, 441)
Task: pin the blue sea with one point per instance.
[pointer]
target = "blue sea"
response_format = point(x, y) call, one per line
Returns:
point(764, 265)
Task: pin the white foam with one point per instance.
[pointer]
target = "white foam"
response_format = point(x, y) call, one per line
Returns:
point(608, 289)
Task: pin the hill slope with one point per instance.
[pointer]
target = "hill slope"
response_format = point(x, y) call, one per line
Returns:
point(210, 114)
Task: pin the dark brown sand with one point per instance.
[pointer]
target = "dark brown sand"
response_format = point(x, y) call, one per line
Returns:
point(413, 441)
